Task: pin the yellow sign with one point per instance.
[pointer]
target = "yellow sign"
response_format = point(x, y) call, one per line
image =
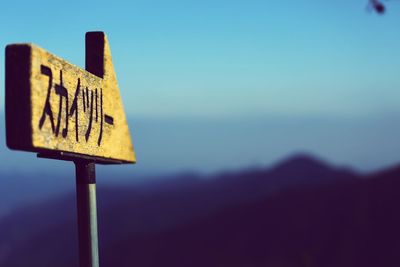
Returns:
point(54, 106)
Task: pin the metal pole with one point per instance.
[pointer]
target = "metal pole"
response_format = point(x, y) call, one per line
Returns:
point(87, 213)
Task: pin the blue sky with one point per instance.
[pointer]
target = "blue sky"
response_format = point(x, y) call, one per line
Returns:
point(202, 60)
point(212, 58)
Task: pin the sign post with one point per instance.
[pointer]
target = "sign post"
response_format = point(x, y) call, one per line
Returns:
point(87, 213)
point(63, 112)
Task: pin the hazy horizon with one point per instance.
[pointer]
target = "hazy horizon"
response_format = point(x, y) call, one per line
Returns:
point(206, 145)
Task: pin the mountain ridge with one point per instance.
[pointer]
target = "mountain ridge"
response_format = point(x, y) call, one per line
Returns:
point(347, 224)
point(148, 211)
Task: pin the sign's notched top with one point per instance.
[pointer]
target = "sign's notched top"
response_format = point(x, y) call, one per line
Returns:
point(54, 106)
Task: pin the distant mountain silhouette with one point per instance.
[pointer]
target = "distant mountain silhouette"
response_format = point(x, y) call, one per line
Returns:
point(346, 224)
point(302, 212)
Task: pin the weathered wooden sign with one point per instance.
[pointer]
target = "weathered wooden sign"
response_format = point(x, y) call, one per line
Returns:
point(54, 106)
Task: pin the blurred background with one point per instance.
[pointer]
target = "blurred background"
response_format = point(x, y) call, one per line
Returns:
point(266, 134)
